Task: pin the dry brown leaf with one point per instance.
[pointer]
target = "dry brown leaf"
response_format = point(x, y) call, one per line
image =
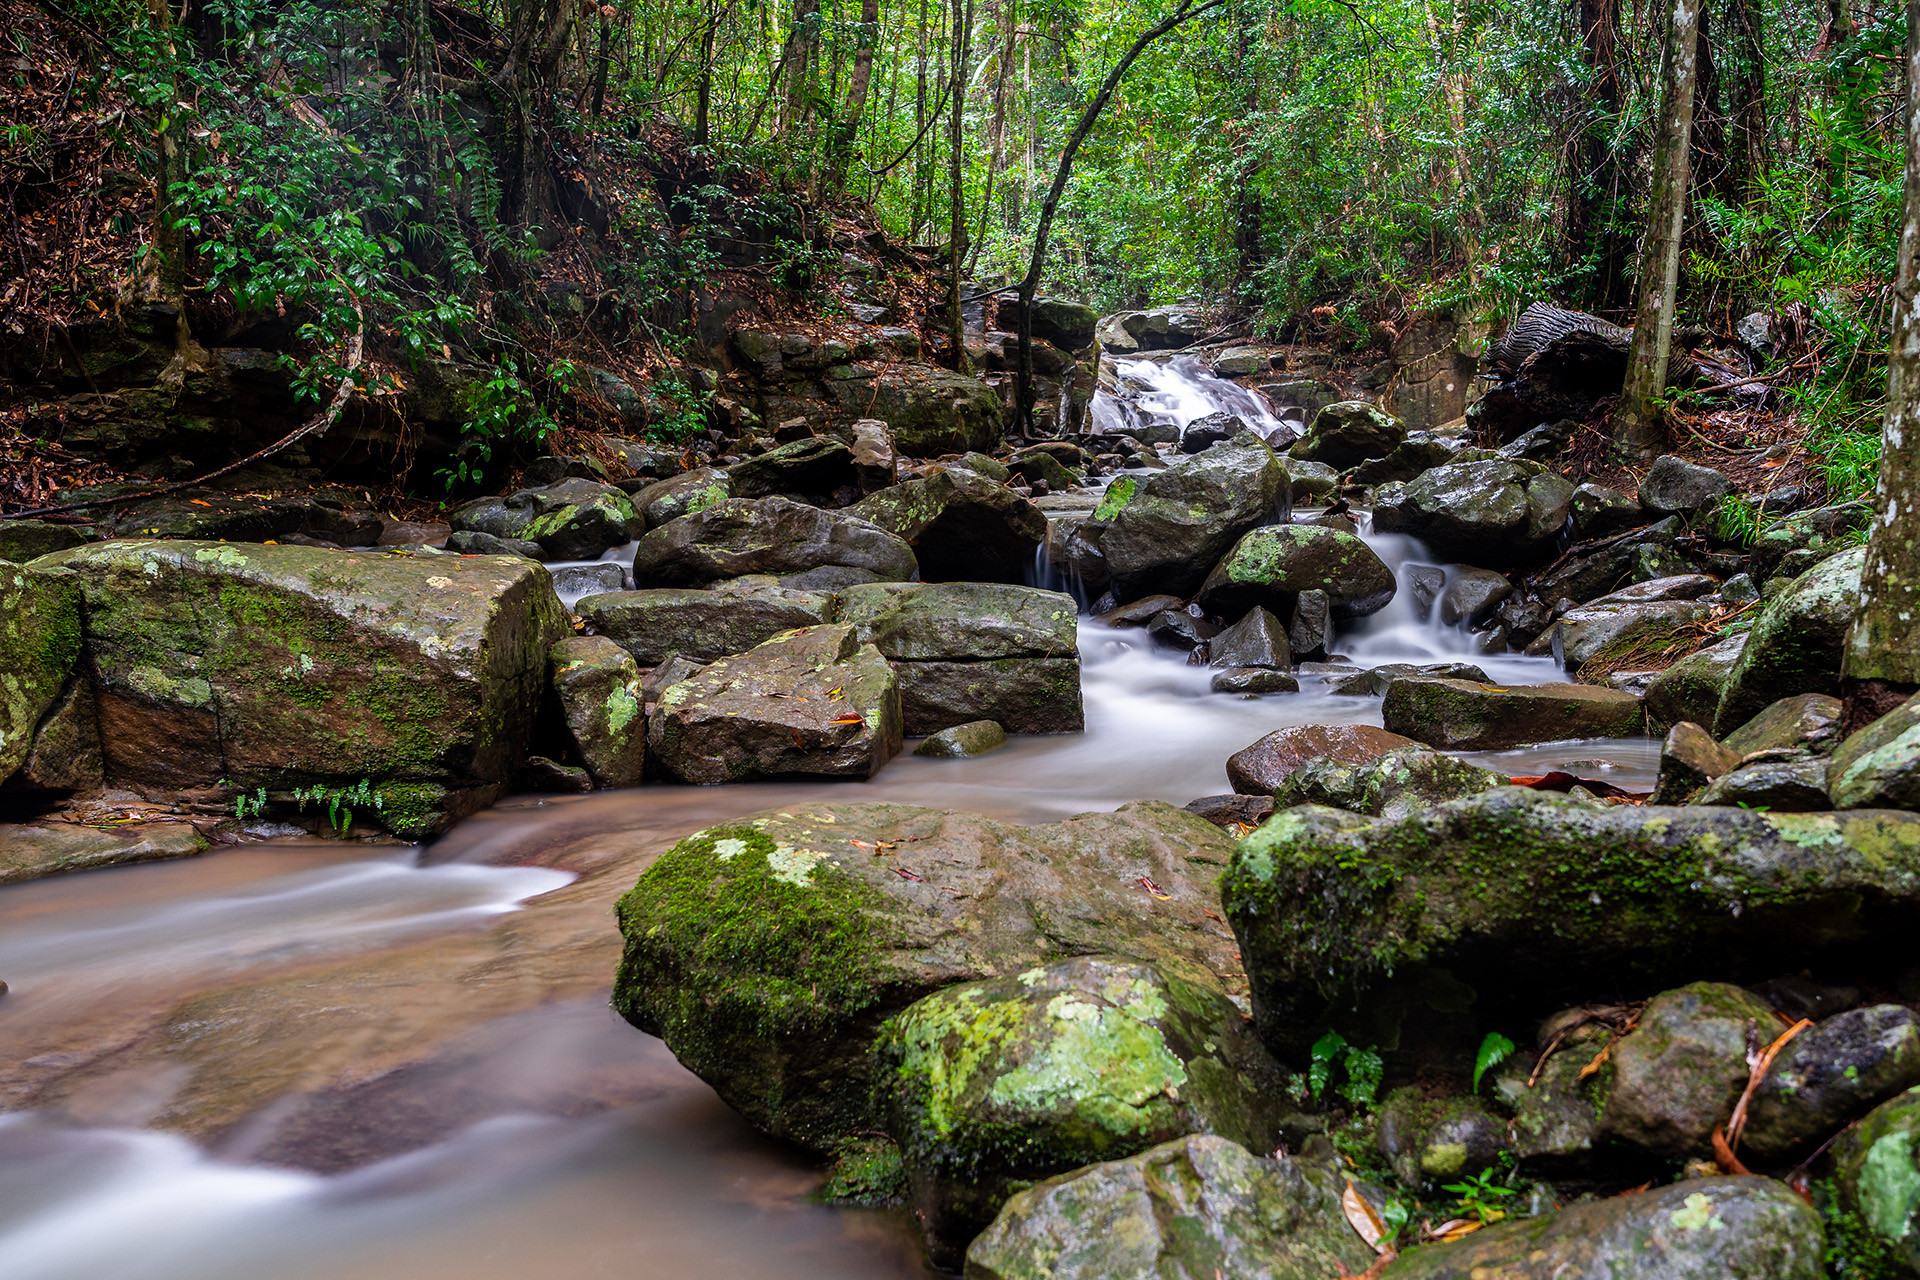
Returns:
point(1365, 1222)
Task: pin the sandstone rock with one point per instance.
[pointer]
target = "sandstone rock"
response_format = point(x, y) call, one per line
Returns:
point(1191, 1208)
point(1795, 644)
point(1085, 1059)
point(875, 464)
point(1830, 1074)
point(1790, 786)
point(1678, 1073)
point(682, 495)
point(1345, 434)
point(963, 741)
point(1674, 485)
point(811, 701)
point(963, 527)
point(769, 951)
point(1401, 782)
point(700, 625)
point(1689, 760)
point(598, 686)
point(1241, 362)
point(1879, 767)
point(1269, 567)
point(29, 851)
point(286, 667)
point(804, 469)
point(738, 536)
point(1139, 613)
point(1259, 769)
point(1164, 534)
point(1466, 715)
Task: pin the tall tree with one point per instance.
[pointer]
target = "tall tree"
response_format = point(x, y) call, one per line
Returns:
point(858, 84)
point(956, 193)
point(1882, 663)
point(1637, 427)
point(1593, 222)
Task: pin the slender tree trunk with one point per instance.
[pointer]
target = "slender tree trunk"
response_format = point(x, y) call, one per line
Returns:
point(1746, 102)
point(1249, 217)
point(848, 129)
point(1637, 428)
point(1030, 283)
point(164, 277)
point(1597, 187)
point(1882, 663)
point(996, 131)
point(1707, 162)
point(603, 63)
point(956, 196)
point(801, 44)
point(703, 88)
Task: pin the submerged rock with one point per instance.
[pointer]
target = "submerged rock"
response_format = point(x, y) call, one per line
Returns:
point(962, 527)
point(1259, 769)
point(1271, 566)
point(962, 741)
point(1697, 1229)
point(1466, 715)
point(1197, 1207)
point(285, 667)
point(990, 1086)
point(768, 952)
point(738, 536)
point(1517, 899)
point(598, 686)
point(811, 701)
point(1165, 533)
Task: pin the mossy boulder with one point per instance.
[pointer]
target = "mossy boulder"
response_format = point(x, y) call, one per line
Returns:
point(701, 624)
point(681, 495)
point(24, 540)
point(1068, 325)
point(1830, 1074)
point(1468, 715)
point(1493, 513)
point(813, 468)
point(1555, 1110)
point(1399, 783)
point(1260, 768)
point(1269, 568)
point(1620, 630)
point(1805, 535)
point(929, 410)
point(295, 667)
point(39, 644)
point(1879, 766)
point(598, 687)
point(1429, 1141)
point(1200, 1207)
point(1876, 1166)
point(768, 952)
point(572, 520)
point(1697, 1229)
point(1678, 1073)
point(1165, 533)
point(1809, 720)
point(813, 701)
point(735, 537)
point(963, 527)
point(1691, 688)
point(991, 1086)
point(964, 741)
point(1795, 644)
point(1479, 912)
point(1348, 432)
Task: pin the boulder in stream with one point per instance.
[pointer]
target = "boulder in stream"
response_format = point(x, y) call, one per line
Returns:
point(598, 686)
point(1165, 532)
point(1402, 782)
point(769, 951)
point(1347, 433)
point(1494, 513)
point(739, 536)
point(963, 527)
point(1269, 567)
point(1795, 644)
point(1467, 715)
point(572, 520)
point(701, 625)
point(1259, 769)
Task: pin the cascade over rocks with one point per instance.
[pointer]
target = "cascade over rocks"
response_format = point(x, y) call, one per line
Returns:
point(284, 666)
point(962, 527)
point(1518, 899)
point(739, 536)
point(1269, 568)
point(768, 952)
point(1165, 534)
point(993, 1085)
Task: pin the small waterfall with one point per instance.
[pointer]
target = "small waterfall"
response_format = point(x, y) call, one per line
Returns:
point(1176, 392)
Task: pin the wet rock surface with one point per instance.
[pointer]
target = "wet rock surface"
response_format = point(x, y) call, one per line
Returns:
point(963, 527)
point(1167, 532)
point(700, 624)
point(601, 699)
point(1260, 768)
point(737, 536)
point(1466, 715)
point(1268, 568)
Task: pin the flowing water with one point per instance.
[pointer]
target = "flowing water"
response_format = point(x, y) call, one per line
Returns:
point(400, 1063)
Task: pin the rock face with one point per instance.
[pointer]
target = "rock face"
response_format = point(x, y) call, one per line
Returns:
point(975, 651)
point(811, 701)
point(283, 667)
point(39, 643)
point(1466, 715)
point(1698, 1229)
point(1261, 768)
point(1830, 1074)
point(1197, 1207)
point(1166, 533)
point(599, 690)
point(700, 625)
point(1345, 434)
point(1795, 644)
point(1678, 1073)
point(572, 520)
point(738, 536)
point(768, 952)
point(1399, 783)
point(1529, 900)
point(1269, 568)
point(991, 1086)
point(1879, 767)
point(930, 410)
point(1497, 514)
point(963, 527)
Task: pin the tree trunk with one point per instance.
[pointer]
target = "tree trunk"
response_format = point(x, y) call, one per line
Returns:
point(1637, 428)
point(800, 46)
point(164, 276)
point(1030, 283)
point(1597, 185)
point(1746, 102)
point(956, 202)
point(1249, 216)
point(1707, 163)
point(1882, 663)
point(848, 129)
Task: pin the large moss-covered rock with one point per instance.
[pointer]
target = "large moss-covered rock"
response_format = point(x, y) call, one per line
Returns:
point(1678, 1073)
point(1795, 644)
point(1492, 513)
point(930, 410)
point(39, 643)
point(682, 495)
point(811, 468)
point(1399, 783)
point(1691, 688)
point(1809, 720)
point(1698, 1229)
point(1347, 433)
point(1805, 536)
point(1065, 323)
point(1269, 568)
point(700, 624)
point(1199, 1207)
point(1467, 715)
point(1428, 1141)
point(572, 520)
point(1879, 766)
point(1621, 630)
point(1555, 1125)
point(294, 667)
point(23, 540)
point(1830, 1074)
point(1166, 532)
point(738, 536)
point(810, 701)
point(1876, 1167)
point(1503, 903)
point(1261, 767)
point(769, 951)
point(990, 1086)
point(598, 687)
point(963, 527)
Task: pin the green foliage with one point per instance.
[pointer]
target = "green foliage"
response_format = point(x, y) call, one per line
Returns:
point(1855, 1251)
point(1494, 1050)
point(340, 802)
point(1115, 499)
point(1486, 1195)
point(501, 409)
point(1737, 519)
point(1363, 1068)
